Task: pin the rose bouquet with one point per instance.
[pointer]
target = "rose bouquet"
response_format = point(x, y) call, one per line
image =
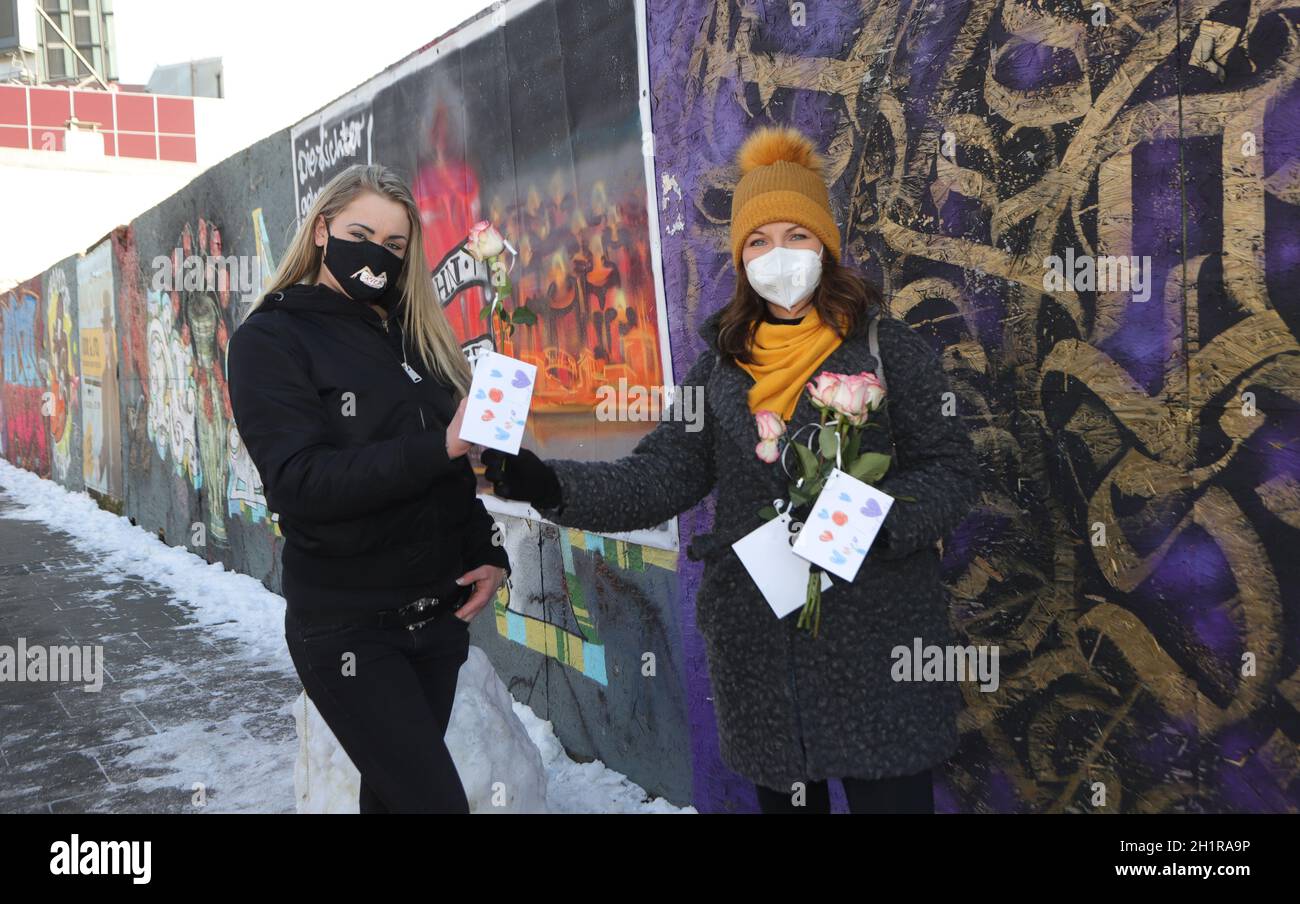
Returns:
point(845, 403)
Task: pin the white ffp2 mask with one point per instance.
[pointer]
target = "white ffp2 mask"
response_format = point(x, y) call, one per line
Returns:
point(785, 276)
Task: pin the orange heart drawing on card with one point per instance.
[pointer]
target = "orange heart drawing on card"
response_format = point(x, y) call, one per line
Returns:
point(494, 394)
point(840, 518)
point(826, 536)
point(488, 415)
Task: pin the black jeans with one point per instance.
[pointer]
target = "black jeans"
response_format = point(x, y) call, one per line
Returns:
point(388, 704)
point(901, 794)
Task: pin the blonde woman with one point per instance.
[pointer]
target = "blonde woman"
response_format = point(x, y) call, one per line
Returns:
point(348, 389)
point(795, 710)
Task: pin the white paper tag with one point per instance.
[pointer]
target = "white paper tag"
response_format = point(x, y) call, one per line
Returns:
point(499, 396)
point(781, 576)
point(843, 524)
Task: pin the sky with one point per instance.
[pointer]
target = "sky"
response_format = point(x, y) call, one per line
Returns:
point(282, 59)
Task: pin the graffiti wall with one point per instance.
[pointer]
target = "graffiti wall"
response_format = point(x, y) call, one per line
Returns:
point(1138, 419)
point(188, 271)
point(99, 428)
point(1089, 211)
point(547, 141)
point(24, 357)
point(60, 340)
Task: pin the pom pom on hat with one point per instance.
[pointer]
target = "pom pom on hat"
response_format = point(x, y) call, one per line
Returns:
point(772, 143)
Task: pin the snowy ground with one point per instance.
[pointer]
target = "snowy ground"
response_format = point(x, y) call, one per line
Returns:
point(235, 607)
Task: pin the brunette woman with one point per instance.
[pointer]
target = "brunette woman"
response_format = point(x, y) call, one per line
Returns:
point(794, 710)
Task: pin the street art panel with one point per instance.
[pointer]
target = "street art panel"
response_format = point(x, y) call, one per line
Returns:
point(543, 139)
point(63, 379)
point(26, 437)
point(101, 436)
point(328, 143)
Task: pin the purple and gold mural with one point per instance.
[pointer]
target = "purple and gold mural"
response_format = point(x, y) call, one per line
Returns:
point(1139, 433)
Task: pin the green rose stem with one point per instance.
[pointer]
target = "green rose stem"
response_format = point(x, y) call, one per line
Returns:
point(811, 614)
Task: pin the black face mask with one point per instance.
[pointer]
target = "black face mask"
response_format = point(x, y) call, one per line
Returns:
point(365, 269)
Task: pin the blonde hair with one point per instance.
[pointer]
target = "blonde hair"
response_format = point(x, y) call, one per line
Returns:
point(423, 318)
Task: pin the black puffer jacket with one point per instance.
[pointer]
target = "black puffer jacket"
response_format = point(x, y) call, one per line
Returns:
point(351, 451)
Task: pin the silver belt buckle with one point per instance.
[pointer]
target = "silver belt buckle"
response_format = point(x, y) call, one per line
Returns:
point(423, 604)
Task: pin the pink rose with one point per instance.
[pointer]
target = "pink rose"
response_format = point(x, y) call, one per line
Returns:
point(484, 241)
point(875, 390)
point(770, 429)
point(850, 399)
point(857, 395)
point(822, 390)
point(770, 425)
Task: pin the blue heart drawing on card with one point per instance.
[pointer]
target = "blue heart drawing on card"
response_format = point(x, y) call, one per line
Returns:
point(480, 394)
point(846, 497)
point(823, 514)
point(494, 372)
point(837, 558)
point(503, 434)
point(871, 509)
point(520, 380)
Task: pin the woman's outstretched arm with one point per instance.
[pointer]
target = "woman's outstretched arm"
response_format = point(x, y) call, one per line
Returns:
point(669, 470)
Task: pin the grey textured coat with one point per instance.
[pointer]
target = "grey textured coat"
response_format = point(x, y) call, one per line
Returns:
point(791, 707)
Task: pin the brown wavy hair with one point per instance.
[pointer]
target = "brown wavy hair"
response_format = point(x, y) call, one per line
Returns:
point(843, 298)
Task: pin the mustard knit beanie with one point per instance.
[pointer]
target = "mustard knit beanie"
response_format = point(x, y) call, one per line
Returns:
point(781, 181)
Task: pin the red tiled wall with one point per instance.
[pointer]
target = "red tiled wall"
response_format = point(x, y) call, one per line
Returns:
point(148, 126)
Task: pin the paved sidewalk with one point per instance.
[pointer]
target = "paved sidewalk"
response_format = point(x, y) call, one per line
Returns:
point(177, 707)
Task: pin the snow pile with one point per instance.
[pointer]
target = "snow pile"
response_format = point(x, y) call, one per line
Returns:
point(256, 774)
point(498, 763)
point(586, 787)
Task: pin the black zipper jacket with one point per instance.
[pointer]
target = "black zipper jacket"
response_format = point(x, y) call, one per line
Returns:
point(352, 452)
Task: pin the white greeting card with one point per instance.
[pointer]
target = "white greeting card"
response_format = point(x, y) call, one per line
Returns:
point(499, 396)
point(843, 524)
point(781, 575)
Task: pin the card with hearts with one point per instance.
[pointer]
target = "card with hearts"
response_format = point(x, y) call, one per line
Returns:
point(843, 524)
point(781, 576)
point(499, 396)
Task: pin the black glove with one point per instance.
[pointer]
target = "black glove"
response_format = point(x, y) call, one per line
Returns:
point(523, 476)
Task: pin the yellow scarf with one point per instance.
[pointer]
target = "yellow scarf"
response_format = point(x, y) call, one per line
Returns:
point(785, 358)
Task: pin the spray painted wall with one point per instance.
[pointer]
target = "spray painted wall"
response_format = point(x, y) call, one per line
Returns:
point(1142, 474)
point(547, 141)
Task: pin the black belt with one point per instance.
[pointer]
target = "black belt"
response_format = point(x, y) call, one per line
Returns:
point(413, 615)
